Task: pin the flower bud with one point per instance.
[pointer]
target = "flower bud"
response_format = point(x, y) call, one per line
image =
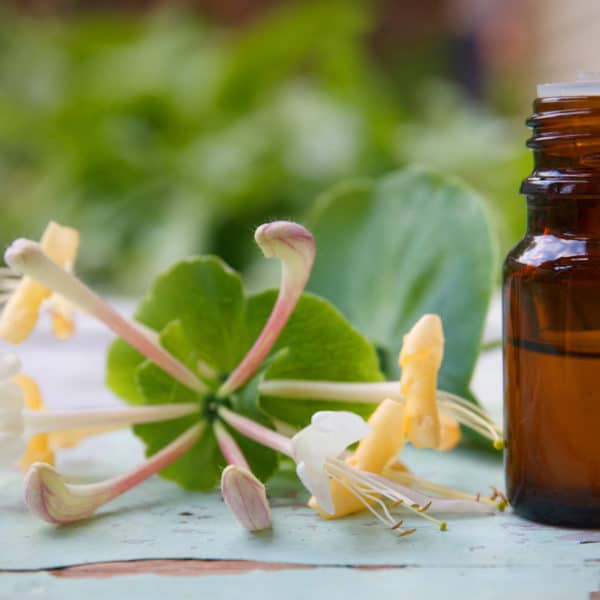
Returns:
point(53, 500)
point(295, 247)
point(245, 495)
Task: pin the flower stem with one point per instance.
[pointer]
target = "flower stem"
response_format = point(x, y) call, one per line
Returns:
point(259, 433)
point(27, 257)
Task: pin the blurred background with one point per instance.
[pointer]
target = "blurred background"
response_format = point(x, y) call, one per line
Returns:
point(162, 129)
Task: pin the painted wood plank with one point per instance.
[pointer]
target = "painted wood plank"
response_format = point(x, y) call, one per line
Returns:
point(501, 583)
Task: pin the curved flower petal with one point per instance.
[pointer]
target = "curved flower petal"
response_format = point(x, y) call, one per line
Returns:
point(328, 435)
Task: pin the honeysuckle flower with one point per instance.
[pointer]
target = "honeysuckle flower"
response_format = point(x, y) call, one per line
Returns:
point(30, 433)
point(246, 496)
point(295, 247)
point(328, 436)
point(449, 405)
point(12, 445)
point(24, 298)
point(52, 499)
point(38, 447)
point(339, 484)
point(242, 492)
point(30, 259)
point(292, 245)
point(431, 417)
point(420, 360)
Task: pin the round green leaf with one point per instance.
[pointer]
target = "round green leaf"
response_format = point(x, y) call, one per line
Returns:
point(409, 243)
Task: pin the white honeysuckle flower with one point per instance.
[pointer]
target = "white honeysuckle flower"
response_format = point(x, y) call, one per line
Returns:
point(12, 444)
point(19, 423)
point(327, 437)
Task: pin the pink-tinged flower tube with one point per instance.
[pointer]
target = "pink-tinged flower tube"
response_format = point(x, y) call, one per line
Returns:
point(243, 493)
point(28, 258)
point(295, 247)
point(50, 498)
point(463, 410)
point(229, 447)
point(259, 433)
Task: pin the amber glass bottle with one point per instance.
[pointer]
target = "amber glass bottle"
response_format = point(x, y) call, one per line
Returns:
point(551, 300)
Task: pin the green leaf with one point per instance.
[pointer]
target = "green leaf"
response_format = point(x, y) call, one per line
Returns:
point(207, 298)
point(409, 243)
point(202, 313)
point(321, 345)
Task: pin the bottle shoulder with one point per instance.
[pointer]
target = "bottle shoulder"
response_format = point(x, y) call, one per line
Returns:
point(548, 252)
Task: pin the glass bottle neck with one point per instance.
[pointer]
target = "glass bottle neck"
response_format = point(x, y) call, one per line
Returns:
point(566, 147)
point(563, 217)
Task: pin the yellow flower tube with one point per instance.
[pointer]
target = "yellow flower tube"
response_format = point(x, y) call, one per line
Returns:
point(420, 360)
point(374, 451)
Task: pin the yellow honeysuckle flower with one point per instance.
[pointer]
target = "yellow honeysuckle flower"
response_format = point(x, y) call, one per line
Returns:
point(23, 305)
point(340, 488)
point(373, 453)
point(417, 417)
point(420, 360)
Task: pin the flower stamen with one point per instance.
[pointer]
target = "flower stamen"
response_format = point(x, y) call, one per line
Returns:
point(408, 479)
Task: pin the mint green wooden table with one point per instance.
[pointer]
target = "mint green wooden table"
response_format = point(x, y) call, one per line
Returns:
point(159, 541)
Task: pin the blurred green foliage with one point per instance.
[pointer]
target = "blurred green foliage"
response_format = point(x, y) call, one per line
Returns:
point(160, 136)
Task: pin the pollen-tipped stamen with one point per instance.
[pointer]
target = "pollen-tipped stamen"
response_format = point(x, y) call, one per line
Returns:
point(28, 258)
point(408, 479)
point(361, 491)
point(372, 490)
point(52, 499)
point(484, 426)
